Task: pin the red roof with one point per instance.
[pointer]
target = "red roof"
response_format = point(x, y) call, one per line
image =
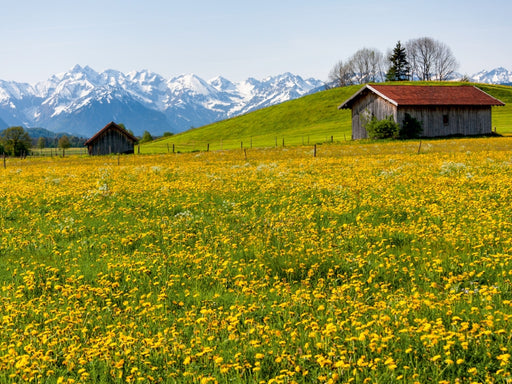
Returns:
point(435, 95)
point(107, 127)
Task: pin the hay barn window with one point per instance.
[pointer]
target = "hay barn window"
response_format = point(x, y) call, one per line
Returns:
point(445, 119)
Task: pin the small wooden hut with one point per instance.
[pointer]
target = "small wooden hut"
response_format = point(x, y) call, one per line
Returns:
point(111, 139)
point(442, 110)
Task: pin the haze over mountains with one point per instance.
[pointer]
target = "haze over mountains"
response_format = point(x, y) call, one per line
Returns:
point(82, 101)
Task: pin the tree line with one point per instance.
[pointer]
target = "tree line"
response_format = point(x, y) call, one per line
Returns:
point(418, 59)
point(16, 141)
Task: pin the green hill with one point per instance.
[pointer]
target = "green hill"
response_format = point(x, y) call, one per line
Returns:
point(308, 120)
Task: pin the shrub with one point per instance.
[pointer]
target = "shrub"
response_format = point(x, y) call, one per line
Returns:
point(382, 129)
point(411, 128)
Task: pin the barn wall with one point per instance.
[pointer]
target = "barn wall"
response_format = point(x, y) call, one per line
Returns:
point(460, 120)
point(366, 106)
point(111, 141)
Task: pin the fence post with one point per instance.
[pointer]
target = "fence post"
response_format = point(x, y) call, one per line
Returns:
point(332, 139)
point(4, 160)
point(283, 142)
point(241, 145)
point(314, 151)
point(208, 147)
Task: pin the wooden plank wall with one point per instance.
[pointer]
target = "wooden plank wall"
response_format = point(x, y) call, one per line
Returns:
point(112, 141)
point(371, 105)
point(465, 121)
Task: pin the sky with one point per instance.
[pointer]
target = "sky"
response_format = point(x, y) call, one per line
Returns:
point(238, 39)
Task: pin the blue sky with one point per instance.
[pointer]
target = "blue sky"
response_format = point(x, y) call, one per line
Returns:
point(238, 39)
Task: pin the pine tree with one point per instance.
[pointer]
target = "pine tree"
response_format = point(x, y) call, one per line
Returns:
point(400, 69)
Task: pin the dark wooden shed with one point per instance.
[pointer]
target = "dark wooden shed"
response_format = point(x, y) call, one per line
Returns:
point(111, 139)
point(442, 110)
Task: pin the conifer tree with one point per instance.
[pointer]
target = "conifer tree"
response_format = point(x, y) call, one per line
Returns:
point(399, 69)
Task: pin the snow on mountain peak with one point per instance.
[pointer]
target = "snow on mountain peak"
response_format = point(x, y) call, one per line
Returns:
point(221, 84)
point(190, 83)
point(498, 75)
point(81, 99)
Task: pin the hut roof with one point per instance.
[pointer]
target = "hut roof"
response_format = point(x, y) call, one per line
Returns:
point(108, 127)
point(423, 95)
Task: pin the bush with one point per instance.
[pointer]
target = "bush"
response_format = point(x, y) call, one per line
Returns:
point(411, 128)
point(382, 129)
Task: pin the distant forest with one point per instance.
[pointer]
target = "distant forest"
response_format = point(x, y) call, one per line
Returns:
point(52, 138)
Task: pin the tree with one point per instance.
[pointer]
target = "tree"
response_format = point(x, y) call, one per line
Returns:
point(430, 59)
point(16, 141)
point(64, 144)
point(341, 74)
point(367, 65)
point(445, 63)
point(41, 143)
point(146, 136)
point(364, 66)
point(399, 69)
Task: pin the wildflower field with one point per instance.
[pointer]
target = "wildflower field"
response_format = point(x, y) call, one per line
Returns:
point(367, 263)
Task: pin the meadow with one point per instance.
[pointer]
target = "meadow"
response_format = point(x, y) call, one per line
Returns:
point(311, 119)
point(369, 263)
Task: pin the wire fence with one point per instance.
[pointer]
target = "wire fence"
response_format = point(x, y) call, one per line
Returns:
point(58, 152)
point(168, 146)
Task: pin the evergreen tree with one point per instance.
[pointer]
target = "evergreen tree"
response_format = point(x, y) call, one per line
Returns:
point(400, 69)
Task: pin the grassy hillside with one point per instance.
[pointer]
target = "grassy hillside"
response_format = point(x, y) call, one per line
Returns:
point(311, 119)
point(501, 116)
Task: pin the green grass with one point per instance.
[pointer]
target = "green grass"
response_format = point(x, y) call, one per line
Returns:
point(369, 261)
point(501, 116)
point(48, 152)
point(308, 120)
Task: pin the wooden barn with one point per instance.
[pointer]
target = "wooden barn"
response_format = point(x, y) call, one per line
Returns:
point(442, 110)
point(111, 139)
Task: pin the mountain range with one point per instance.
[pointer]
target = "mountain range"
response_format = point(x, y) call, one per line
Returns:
point(81, 101)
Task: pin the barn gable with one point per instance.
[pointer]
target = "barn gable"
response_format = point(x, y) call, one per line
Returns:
point(443, 110)
point(111, 139)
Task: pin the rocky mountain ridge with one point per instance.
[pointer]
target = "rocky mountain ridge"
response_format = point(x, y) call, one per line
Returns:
point(81, 101)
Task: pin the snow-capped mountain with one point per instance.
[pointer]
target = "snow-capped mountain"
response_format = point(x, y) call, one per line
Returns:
point(498, 75)
point(81, 101)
